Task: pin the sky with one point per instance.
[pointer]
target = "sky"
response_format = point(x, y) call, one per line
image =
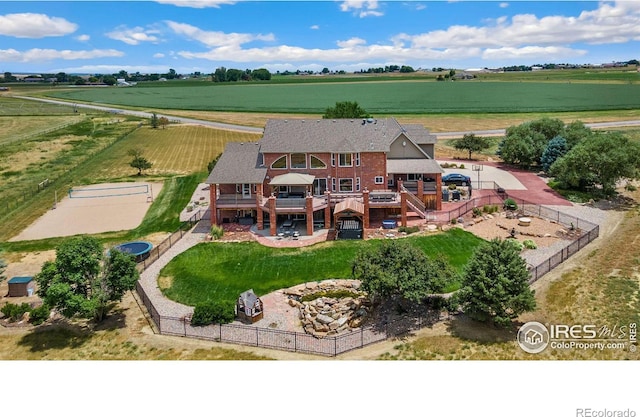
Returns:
point(105, 37)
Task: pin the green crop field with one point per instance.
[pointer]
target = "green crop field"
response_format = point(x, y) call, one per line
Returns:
point(406, 97)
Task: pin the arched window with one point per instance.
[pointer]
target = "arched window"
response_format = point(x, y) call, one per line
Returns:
point(316, 163)
point(280, 163)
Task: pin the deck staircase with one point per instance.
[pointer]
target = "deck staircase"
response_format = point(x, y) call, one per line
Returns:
point(415, 204)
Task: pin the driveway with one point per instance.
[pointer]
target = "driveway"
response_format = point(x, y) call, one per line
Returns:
point(518, 183)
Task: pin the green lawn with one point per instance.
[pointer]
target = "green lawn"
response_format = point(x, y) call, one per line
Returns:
point(406, 97)
point(211, 271)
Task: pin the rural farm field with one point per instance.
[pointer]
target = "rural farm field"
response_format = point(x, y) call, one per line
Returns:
point(408, 97)
point(88, 148)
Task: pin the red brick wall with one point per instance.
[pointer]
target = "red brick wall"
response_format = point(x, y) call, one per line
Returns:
point(371, 165)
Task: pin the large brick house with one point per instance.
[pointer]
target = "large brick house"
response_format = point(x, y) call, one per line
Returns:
point(318, 172)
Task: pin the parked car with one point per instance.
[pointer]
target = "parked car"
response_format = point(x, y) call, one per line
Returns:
point(457, 179)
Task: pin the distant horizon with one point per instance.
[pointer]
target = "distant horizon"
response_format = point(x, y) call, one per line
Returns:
point(151, 37)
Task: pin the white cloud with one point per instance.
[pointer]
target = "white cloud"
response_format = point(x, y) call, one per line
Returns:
point(362, 8)
point(314, 27)
point(215, 38)
point(521, 38)
point(34, 25)
point(83, 38)
point(159, 55)
point(134, 36)
point(550, 53)
point(197, 4)
point(504, 5)
point(41, 55)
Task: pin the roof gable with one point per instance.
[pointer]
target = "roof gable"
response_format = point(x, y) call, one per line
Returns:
point(329, 135)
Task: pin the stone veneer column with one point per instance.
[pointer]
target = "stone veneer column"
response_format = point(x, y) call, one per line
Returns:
point(365, 200)
point(273, 218)
point(309, 209)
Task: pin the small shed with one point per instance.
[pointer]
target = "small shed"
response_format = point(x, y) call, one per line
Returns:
point(249, 308)
point(21, 287)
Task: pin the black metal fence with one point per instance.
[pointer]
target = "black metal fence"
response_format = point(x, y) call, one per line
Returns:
point(166, 244)
point(356, 339)
point(291, 341)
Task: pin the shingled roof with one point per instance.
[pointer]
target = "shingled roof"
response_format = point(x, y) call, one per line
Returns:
point(240, 164)
point(329, 135)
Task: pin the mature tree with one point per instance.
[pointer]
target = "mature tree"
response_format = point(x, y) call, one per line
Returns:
point(154, 120)
point(163, 121)
point(522, 145)
point(345, 110)
point(220, 75)
point(555, 149)
point(261, 74)
point(472, 143)
point(600, 160)
point(574, 132)
point(139, 162)
point(395, 268)
point(495, 284)
point(82, 281)
point(550, 128)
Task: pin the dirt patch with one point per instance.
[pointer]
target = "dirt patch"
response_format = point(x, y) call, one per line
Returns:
point(543, 232)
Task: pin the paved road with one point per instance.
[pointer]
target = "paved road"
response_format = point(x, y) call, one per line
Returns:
point(227, 126)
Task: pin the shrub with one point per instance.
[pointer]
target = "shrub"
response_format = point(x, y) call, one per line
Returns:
point(408, 229)
point(15, 311)
point(216, 232)
point(530, 244)
point(476, 212)
point(510, 204)
point(630, 187)
point(39, 314)
point(461, 166)
point(454, 221)
point(222, 312)
point(452, 186)
point(516, 243)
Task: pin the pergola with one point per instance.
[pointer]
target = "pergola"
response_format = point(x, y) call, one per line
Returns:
point(293, 179)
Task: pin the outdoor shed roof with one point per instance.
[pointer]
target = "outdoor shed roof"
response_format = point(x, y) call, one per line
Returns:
point(20, 280)
point(349, 204)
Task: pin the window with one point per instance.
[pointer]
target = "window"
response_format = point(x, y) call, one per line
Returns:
point(378, 180)
point(333, 160)
point(298, 160)
point(358, 159)
point(390, 182)
point(346, 185)
point(280, 163)
point(333, 184)
point(345, 160)
point(316, 163)
point(414, 177)
point(357, 183)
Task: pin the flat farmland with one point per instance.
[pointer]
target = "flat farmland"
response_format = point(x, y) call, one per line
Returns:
point(402, 97)
point(176, 150)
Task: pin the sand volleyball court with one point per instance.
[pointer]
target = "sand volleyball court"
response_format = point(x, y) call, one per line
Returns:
point(93, 209)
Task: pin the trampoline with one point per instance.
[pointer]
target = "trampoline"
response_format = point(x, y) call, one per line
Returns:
point(139, 249)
